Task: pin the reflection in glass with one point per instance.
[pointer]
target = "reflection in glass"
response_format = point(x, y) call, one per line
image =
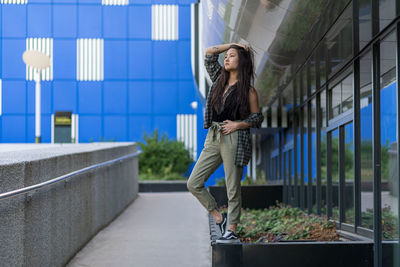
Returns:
point(339, 40)
point(298, 164)
point(341, 97)
point(314, 147)
point(322, 63)
point(322, 124)
point(365, 18)
point(313, 75)
point(335, 173)
point(367, 176)
point(335, 101)
point(387, 12)
point(305, 156)
point(389, 166)
point(349, 174)
point(347, 93)
point(304, 88)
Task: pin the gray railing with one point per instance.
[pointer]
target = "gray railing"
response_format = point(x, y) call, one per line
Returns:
point(66, 176)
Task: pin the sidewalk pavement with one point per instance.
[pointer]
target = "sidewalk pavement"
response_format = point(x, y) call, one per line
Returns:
point(157, 229)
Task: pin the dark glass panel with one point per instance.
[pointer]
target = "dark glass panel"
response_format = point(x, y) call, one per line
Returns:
point(367, 176)
point(389, 153)
point(349, 174)
point(387, 12)
point(365, 19)
point(339, 40)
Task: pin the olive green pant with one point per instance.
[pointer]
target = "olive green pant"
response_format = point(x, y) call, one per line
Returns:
point(218, 148)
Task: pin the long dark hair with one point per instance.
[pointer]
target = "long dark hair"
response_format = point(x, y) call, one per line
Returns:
point(245, 81)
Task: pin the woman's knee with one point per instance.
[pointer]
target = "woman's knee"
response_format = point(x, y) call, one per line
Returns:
point(190, 186)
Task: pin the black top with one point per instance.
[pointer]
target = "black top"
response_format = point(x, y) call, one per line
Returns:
point(229, 110)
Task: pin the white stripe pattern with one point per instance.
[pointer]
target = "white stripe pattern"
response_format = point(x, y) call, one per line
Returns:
point(164, 21)
point(115, 2)
point(14, 2)
point(90, 59)
point(44, 45)
point(186, 131)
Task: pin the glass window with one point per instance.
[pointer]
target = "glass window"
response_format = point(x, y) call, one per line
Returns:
point(389, 166)
point(335, 96)
point(322, 64)
point(313, 74)
point(335, 173)
point(347, 93)
point(349, 174)
point(322, 124)
point(341, 97)
point(365, 18)
point(305, 155)
point(367, 176)
point(297, 88)
point(314, 147)
point(387, 12)
point(304, 88)
point(339, 41)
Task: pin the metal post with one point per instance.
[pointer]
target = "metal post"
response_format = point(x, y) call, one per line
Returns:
point(377, 155)
point(318, 157)
point(356, 118)
point(342, 173)
point(309, 159)
point(37, 106)
point(301, 160)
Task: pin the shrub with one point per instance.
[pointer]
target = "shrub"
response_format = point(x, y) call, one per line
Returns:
point(162, 157)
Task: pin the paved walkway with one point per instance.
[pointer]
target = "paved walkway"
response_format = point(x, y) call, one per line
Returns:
point(157, 229)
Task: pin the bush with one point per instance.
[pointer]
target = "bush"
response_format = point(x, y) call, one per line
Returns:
point(163, 158)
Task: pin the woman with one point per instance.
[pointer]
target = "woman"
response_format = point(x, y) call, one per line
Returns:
point(232, 108)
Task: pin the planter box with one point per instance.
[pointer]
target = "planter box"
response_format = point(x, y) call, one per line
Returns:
point(253, 196)
point(163, 186)
point(296, 253)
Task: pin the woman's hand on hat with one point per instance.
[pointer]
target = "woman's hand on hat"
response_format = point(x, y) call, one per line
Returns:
point(229, 127)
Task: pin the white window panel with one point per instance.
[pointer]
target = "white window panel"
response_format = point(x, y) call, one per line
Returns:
point(14, 2)
point(164, 21)
point(44, 45)
point(186, 131)
point(90, 59)
point(115, 2)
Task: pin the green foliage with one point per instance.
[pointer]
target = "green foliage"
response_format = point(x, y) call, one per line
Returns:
point(162, 158)
point(365, 155)
point(291, 223)
point(390, 220)
point(260, 180)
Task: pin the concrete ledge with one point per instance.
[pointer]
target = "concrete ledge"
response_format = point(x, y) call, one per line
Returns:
point(163, 186)
point(49, 226)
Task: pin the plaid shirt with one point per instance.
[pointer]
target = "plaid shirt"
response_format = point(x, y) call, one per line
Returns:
point(243, 150)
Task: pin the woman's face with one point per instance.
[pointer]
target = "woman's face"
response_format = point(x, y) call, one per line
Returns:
point(231, 60)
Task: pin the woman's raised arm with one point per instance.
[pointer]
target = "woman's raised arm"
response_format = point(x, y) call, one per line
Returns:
point(218, 49)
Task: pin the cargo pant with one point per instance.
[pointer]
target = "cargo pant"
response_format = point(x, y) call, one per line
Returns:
point(218, 148)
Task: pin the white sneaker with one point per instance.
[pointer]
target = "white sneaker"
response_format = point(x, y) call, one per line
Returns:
point(228, 237)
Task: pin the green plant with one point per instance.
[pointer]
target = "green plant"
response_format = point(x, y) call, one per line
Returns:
point(248, 180)
point(162, 158)
point(220, 181)
point(288, 222)
point(260, 179)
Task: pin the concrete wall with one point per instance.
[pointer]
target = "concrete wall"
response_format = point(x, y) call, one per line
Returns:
point(47, 227)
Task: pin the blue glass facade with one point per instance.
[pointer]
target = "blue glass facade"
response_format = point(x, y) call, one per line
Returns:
point(146, 82)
